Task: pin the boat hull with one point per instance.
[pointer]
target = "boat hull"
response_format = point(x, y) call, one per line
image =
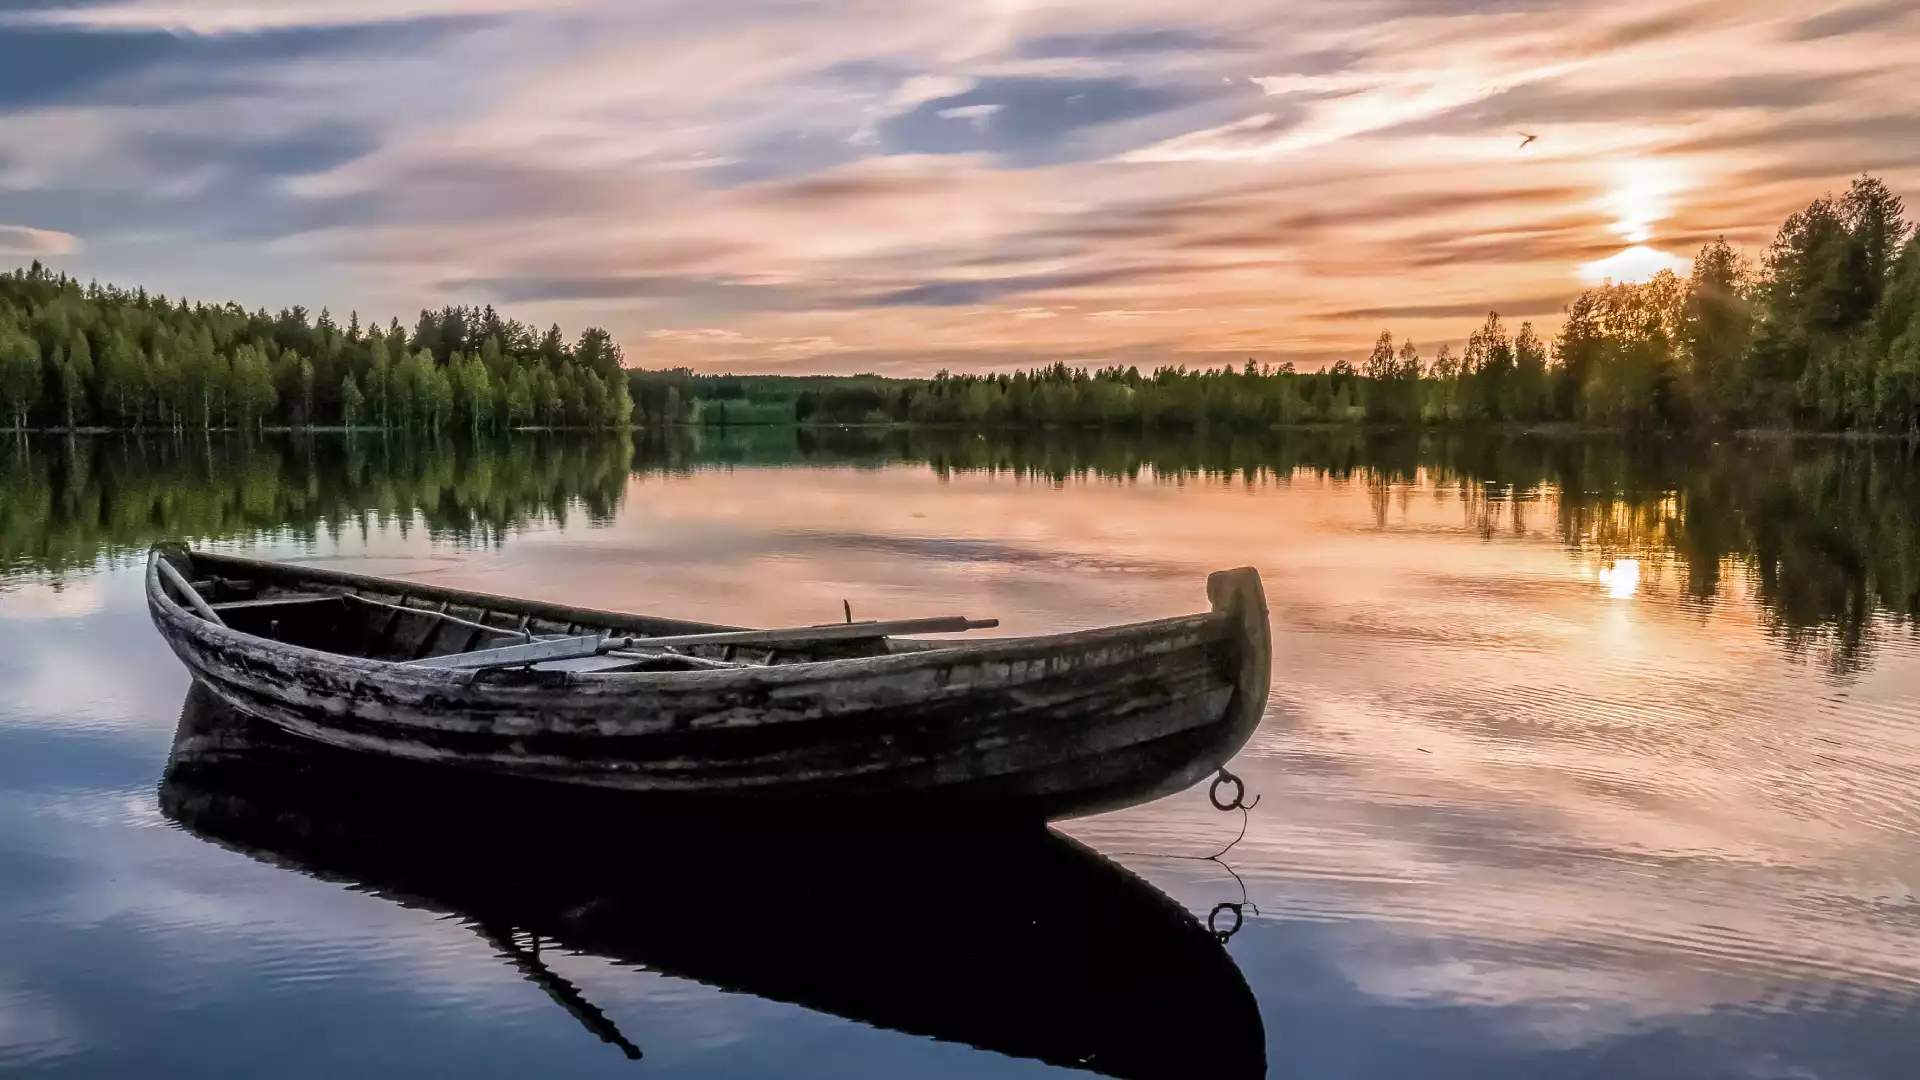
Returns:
point(1045, 727)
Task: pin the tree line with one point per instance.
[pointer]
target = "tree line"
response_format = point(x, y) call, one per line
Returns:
point(74, 356)
point(1823, 332)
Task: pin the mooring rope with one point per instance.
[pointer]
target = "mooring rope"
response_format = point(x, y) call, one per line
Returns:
point(1238, 802)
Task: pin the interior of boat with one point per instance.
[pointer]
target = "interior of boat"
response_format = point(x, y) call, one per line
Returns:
point(401, 627)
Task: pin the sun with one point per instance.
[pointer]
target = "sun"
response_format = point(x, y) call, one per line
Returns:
point(1640, 196)
point(1634, 265)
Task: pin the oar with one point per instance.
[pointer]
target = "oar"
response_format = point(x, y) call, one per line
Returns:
point(188, 593)
point(573, 648)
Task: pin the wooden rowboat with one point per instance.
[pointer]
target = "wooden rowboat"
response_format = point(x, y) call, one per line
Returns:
point(847, 716)
point(1014, 940)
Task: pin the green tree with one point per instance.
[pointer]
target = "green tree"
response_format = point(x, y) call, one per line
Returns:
point(303, 378)
point(351, 401)
point(547, 399)
point(123, 377)
point(379, 390)
point(1533, 393)
point(76, 370)
point(255, 394)
point(619, 402)
point(19, 370)
point(519, 398)
point(1382, 370)
point(1718, 330)
point(597, 352)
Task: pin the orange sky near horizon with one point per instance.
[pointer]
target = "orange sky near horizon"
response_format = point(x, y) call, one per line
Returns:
point(903, 187)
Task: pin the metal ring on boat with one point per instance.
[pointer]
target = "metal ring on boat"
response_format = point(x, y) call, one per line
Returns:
point(1238, 802)
point(1219, 934)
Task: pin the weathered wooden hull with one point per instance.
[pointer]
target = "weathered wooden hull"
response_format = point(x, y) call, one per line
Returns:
point(1049, 727)
point(1016, 941)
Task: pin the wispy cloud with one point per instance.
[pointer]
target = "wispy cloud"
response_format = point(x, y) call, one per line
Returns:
point(22, 241)
point(209, 17)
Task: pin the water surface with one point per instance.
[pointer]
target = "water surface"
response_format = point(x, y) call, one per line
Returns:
point(1583, 758)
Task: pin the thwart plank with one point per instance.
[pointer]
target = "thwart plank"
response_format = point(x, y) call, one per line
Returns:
point(567, 648)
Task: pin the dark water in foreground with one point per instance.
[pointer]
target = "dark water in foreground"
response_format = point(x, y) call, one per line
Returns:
point(1583, 759)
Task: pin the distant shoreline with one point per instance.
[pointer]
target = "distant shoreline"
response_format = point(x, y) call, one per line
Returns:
point(1548, 429)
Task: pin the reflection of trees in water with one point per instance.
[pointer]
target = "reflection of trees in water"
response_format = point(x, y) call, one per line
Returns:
point(64, 503)
point(1824, 533)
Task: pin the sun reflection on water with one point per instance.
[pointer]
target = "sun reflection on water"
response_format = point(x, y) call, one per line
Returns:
point(1621, 578)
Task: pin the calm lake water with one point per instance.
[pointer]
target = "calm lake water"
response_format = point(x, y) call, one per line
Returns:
point(1583, 759)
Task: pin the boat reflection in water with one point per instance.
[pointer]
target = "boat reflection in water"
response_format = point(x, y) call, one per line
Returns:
point(1020, 942)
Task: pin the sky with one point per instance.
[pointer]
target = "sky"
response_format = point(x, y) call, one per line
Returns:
point(902, 186)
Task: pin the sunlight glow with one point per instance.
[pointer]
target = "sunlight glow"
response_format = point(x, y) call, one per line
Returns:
point(1635, 264)
point(1621, 578)
point(1642, 196)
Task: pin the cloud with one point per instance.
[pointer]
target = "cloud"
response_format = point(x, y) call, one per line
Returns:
point(1841, 21)
point(60, 64)
point(1318, 110)
point(1640, 31)
point(309, 149)
point(719, 344)
point(245, 16)
point(1520, 306)
point(1031, 120)
point(1567, 102)
point(962, 293)
point(1885, 133)
point(705, 290)
point(1261, 135)
point(22, 241)
point(852, 189)
point(1131, 42)
point(1245, 219)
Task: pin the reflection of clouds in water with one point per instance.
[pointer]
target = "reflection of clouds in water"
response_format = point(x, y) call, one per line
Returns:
point(763, 547)
point(53, 670)
point(67, 683)
point(49, 600)
point(32, 1029)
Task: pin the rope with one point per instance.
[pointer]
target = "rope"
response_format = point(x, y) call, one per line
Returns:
point(1238, 802)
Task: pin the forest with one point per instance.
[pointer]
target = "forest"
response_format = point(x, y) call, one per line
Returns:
point(1820, 332)
point(74, 356)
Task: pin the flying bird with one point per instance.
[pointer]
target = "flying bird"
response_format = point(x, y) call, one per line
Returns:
point(1526, 140)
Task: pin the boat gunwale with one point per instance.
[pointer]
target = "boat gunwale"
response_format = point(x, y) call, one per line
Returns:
point(930, 654)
